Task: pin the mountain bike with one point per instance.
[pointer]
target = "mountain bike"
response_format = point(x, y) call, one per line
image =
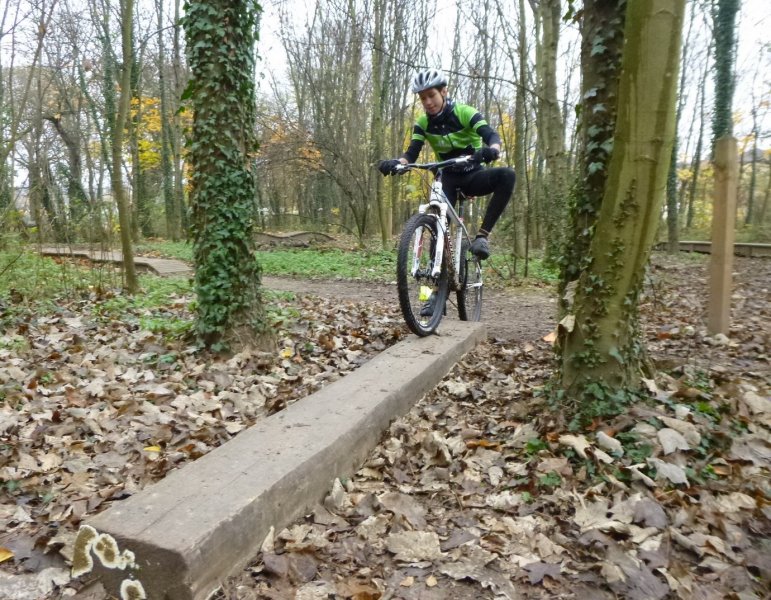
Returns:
point(434, 258)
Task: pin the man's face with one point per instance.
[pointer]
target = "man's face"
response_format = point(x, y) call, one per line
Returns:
point(432, 100)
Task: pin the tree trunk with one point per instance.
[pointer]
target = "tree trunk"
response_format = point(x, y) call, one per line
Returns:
point(180, 207)
point(520, 137)
point(724, 27)
point(673, 213)
point(697, 155)
point(602, 40)
point(118, 189)
point(551, 130)
point(749, 218)
point(167, 176)
point(603, 354)
point(141, 219)
point(220, 37)
point(77, 195)
point(376, 122)
point(6, 168)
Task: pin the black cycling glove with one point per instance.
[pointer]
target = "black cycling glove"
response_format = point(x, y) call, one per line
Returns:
point(388, 167)
point(486, 154)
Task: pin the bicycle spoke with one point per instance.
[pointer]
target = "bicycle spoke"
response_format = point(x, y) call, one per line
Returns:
point(471, 286)
point(421, 297)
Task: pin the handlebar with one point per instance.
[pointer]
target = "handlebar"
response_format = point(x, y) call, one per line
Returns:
point(435, 166)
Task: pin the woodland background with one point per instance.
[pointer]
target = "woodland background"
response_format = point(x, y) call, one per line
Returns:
point(333, 98)
point(611, 486)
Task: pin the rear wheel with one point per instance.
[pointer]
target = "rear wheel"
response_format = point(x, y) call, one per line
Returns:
point(418, 291)
point(470, 286)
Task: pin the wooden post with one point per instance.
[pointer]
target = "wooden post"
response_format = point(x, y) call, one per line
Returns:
point(723, 221)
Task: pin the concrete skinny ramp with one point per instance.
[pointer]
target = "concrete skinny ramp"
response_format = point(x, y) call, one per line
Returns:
point(208, 519)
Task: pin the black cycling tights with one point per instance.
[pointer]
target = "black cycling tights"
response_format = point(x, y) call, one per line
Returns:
point(498, 181)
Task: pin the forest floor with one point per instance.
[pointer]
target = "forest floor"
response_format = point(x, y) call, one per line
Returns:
point(479, 492)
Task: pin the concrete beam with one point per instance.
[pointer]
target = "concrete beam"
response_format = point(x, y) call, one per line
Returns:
point(208, 519)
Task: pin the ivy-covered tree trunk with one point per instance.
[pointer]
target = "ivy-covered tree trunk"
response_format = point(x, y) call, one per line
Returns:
point(602, 354)
point(220, 37)
point(79, 200)
point(724, 20)
point(673, 211)
point(602, 41)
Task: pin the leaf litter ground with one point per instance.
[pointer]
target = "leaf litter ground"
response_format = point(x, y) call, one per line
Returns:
point(478, 492)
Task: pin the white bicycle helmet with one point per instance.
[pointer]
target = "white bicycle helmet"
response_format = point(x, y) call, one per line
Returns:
point(430, 78)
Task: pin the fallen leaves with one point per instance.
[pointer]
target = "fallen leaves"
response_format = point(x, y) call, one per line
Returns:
point(658, 503)
point(479, 488)
point(94, 409)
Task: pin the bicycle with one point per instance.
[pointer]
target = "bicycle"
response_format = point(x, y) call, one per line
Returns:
point(434, 258)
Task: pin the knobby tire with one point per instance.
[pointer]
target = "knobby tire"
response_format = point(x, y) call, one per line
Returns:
point(469, 293)
point(409, 285)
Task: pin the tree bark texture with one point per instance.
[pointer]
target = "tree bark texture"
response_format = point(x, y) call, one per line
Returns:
point(220, 38)
point(602, 41)
point(603, 346)
point(118, 189)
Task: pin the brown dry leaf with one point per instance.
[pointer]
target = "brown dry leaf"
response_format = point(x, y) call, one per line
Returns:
point(686, 429)
point(754, 448)
point(404, 506)
point(669, 471)
point(578, 442)
point(373, 528)
point(672, 441)
point(593, 515)
point(650, 513)
point(758, 405)
point(558, 464)
point(506, 500)
point(538, 570)
point(473, 566)
point(609, 443)
point(414, 546)
point(631, 578)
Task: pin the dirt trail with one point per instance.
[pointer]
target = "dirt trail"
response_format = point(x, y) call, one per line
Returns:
point(521, 314)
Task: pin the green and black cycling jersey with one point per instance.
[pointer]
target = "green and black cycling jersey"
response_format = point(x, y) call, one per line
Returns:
point(458, 130)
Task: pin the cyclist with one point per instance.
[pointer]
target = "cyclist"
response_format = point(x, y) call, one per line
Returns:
point(453, 129)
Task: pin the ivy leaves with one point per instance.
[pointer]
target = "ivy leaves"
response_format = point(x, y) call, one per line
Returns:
point(220, 39)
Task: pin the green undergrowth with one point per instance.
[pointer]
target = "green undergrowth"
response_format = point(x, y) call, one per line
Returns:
point(166, 249)
point(33, 285)
point(323, 262)
point(25, 276)
point(319, 262)
point(331, 263)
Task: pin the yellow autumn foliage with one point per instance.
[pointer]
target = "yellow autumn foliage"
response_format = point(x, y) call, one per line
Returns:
point(146, 117)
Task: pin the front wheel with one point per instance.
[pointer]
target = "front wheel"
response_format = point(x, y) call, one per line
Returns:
point(470, 285)
point(422, 297)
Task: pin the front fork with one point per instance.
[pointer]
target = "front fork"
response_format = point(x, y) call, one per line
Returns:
point(438, 202)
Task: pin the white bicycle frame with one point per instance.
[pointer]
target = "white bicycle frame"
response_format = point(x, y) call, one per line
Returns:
point(438, 200)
